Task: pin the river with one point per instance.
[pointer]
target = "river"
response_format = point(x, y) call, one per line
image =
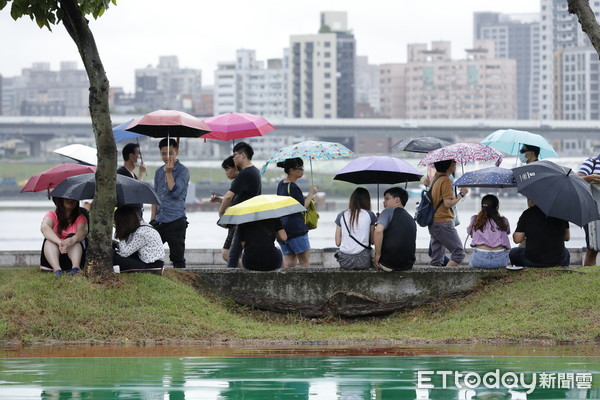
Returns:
point(21, 224)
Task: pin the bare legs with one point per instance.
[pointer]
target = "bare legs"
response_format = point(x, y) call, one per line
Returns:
point(289, 260)
point(52, 254)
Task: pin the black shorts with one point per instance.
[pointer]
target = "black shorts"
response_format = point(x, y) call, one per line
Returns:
point(229, 238)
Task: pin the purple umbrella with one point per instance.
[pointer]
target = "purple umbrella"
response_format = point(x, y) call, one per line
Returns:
point(378, 169)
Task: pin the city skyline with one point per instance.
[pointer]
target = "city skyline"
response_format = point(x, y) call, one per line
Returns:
point(206, 34)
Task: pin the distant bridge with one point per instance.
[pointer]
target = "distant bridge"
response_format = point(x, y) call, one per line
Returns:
point(568, 137)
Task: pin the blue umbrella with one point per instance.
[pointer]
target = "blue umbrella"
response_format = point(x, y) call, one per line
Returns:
point(509, 141)
point(121, 134)
point(493, 177)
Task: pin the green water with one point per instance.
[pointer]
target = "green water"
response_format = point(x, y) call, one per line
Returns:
point(314, 378)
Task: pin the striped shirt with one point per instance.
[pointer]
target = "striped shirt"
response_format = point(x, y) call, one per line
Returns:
point(590, 166)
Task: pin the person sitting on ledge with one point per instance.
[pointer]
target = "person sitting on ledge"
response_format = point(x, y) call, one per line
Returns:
point(546, 237)
point(258, 241)
point(395, 233)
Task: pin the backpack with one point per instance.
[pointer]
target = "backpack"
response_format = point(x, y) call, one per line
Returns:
point(425, 211)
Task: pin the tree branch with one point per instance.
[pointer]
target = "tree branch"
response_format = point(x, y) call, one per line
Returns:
point(587, 20)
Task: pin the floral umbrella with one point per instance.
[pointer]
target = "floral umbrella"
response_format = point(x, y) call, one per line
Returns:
point(463, 153)
point(309, 150)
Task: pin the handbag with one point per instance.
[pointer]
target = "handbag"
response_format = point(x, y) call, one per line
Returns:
point(311, 216)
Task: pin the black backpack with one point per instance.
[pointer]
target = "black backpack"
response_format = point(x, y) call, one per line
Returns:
point(425, 211)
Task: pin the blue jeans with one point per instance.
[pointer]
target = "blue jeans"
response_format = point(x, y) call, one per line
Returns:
point(489, 259)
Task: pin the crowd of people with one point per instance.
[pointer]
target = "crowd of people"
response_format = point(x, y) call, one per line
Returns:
point(386, 241)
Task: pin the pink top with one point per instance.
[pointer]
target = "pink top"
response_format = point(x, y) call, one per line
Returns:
point(70, 229)
point(489, 237)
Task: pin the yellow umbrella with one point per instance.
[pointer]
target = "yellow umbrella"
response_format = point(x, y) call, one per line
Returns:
point(261, 207)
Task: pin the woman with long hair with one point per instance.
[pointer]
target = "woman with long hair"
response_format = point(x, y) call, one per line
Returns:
point(139, 245)
point(354, 232)
point(297, 247)
point(65, 231)
point(489, 231)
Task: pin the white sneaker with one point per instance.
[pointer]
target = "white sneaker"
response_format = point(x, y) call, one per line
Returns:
point(513, 267)
point(117, 269)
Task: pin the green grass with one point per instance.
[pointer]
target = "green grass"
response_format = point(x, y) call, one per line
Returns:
point(533, 305)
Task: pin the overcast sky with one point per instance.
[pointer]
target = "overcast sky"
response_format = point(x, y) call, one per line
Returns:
point(201, 33)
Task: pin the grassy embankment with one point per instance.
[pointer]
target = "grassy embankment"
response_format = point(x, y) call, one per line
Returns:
point(532, 305)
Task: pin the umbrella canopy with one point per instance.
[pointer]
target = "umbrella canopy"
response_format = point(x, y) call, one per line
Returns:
point(378, 169)
point(557, 191)
point(80, 153)
point(51, 177)
point(463, 153)
point(129, 190)
point(309, 150)
point(493, 177)
point(423, 144)
point(121, 134)
point(168, 123)
point(261, 207)
point(509, 141)
point(233, 126)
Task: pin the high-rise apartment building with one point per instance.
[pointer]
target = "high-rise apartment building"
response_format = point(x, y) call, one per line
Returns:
point(366, 87)
point(246, 85)
point(41, 91)
point(168, 86)
point(515, 36)
point(321, 80)
point(568, 66)
point(433, 86)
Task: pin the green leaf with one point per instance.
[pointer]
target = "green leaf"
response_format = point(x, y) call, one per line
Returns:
point(3, 4)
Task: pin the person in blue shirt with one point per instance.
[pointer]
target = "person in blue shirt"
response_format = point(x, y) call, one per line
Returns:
point(171, 185)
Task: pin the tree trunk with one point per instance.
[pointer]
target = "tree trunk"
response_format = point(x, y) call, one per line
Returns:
point(587, 20)
point(99, 252)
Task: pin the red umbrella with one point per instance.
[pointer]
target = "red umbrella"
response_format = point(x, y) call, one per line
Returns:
point(231, 126)
point(168, 123)
point(51, 177)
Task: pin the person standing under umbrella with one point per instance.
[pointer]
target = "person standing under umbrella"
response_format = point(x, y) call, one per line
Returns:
point(442, 230)
point(529, 154)
point(297, 247)
point(590, 172)
point(245, 186)
point(171, 185)
point(132, 159)
point(231, 172)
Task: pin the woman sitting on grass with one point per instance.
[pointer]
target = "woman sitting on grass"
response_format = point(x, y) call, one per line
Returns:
point(489, 231)
point(140, 246)
point(65, 231)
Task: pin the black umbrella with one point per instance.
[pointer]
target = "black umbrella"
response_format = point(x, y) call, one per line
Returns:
point(168, 123)
point(129, 190)
point(421, 144)
point(557, 191)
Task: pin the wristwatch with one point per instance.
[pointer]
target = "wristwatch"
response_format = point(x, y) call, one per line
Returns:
point(462, 194)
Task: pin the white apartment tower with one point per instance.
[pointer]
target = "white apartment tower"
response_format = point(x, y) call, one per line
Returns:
point(569, 65)
point(245, 85)
point(321, 80)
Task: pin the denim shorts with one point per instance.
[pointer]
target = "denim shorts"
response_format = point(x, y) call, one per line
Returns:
point(489, 259)
point(295, 245)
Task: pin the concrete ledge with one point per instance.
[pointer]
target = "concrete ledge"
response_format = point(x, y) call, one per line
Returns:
point(316, 292)
point(212, 258)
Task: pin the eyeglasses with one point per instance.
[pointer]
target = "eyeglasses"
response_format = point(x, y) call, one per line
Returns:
point(235, 153)
point(299, 169)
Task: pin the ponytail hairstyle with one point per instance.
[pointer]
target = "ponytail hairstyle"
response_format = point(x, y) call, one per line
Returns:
point(290, 163)
point(359, 200)
point(489, 211)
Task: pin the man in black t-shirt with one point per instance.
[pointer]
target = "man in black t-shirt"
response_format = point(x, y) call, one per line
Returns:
point(395, 233)
point(132, 159)
point(546, 237)
point(245, 186)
